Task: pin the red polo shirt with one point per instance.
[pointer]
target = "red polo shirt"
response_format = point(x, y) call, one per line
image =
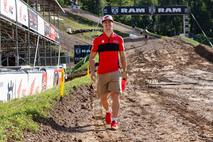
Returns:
point(108, 48)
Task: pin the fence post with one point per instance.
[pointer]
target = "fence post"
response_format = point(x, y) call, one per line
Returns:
point(62, 84)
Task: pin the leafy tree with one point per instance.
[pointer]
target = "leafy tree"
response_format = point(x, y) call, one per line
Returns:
point(61, 2)
point(94, 6)
point(165, 25)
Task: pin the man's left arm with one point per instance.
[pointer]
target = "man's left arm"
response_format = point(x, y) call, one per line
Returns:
point(123, 59)
point(123, 64)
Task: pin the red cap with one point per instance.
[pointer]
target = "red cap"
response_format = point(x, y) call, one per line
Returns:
point(107, 17)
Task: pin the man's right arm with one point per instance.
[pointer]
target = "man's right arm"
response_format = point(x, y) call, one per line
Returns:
point(92, 58)
point(92, 61)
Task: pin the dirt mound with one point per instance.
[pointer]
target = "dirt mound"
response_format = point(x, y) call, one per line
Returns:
point(174, 87)
point(169, 97)
point(204, 52)
point(68, 118)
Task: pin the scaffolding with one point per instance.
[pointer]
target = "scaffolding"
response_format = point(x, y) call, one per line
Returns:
point(19, 44)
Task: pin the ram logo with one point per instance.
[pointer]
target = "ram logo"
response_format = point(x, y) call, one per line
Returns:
point(169, 10)
point(78, 51)
point(115, 10)
point(152, 9)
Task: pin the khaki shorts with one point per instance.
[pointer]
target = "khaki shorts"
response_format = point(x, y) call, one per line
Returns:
point(109, 82)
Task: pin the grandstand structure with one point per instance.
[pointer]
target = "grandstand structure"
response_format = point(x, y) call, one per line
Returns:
point(29, 33)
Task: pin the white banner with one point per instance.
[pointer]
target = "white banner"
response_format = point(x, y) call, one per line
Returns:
point(40, 25)
point(16, 86)
point(22, 13)
point(8, 8)
point(11, 87)
point(50, 78)
point(21, 85)
point(4, 86)
point(35, 83)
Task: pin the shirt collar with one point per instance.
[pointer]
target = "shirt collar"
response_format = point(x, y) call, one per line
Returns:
point(112, 35)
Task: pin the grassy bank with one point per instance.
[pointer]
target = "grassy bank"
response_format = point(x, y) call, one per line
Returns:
point(189, 40)
point(76, 23)
point(17, 115)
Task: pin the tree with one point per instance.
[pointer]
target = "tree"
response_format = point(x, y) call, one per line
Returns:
point(165, 25)
point(94, 6)
point(61, 2)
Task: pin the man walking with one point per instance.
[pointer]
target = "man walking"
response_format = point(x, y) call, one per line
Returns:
point(109, 46)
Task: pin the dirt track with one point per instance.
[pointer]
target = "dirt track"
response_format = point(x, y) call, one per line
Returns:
point(169, 98)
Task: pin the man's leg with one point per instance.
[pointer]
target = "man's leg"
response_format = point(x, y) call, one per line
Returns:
point(105, 104)
point(115, 104)
point(102, 91)
point(104, 101)
point(115, 110)
point(115, 88)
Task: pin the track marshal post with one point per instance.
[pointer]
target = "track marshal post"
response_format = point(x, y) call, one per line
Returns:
point(62, 81)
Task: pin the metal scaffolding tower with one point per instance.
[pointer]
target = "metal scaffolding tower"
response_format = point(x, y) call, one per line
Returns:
point(19, 44)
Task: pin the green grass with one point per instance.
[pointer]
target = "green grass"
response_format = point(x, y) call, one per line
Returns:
point(77, 23)
point(17, 115)
point(121, 33)
point(83, 20)
point(91, 35)
point(189, 40)
point(185, 39)
point(154, 34)
point(71, 53)
point(81, 66)
point(85, 65)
